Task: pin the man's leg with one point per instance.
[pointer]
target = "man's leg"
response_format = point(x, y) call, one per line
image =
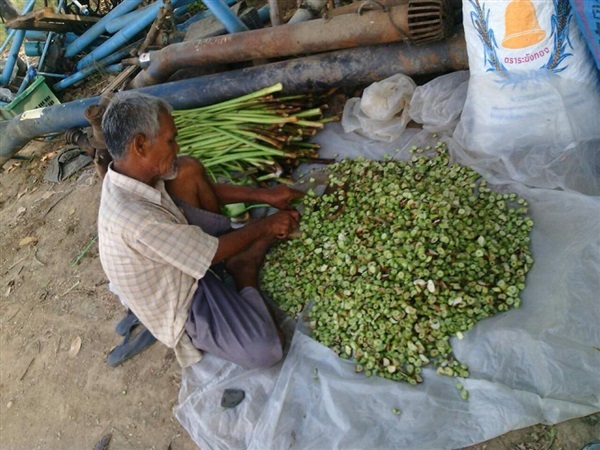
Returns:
point(235, 326)
point(193, 186)
point(244, 267)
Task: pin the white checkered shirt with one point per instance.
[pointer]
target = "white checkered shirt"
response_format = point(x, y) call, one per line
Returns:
point(153, 257)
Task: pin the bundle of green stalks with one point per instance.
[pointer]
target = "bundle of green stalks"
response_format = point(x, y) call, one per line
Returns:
point(255, 137)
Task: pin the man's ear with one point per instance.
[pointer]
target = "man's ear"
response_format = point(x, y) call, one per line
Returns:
point(140, 145)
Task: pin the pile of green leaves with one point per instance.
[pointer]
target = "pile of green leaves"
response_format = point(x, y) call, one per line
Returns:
point(398, 257)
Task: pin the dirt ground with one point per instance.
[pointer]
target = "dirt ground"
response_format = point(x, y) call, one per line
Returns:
point(57, 326)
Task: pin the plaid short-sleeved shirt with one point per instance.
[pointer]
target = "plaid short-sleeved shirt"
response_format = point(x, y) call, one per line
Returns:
point(152, 257)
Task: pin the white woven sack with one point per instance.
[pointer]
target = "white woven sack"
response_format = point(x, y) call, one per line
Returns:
point(525, 35)
point(533, 99)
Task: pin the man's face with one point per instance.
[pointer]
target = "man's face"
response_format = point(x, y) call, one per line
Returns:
point(164, 149)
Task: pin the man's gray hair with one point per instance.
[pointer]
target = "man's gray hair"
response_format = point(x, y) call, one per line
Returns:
point(129, 114)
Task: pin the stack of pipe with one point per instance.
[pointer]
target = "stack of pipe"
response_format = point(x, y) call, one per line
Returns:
point(357, 66)
point(13, 54)
point(405, 20)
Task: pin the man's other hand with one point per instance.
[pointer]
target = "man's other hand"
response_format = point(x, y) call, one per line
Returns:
point(281, 196)
point(282, 223)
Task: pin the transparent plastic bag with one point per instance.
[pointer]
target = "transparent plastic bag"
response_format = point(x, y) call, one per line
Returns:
point(382, 112)
point(438, 104)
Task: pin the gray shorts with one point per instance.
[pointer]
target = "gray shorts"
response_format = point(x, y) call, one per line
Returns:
point(237, 326)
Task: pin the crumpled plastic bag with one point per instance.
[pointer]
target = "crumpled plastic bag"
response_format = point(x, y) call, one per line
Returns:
point(382, 112)
point(6, 95)
point(438, 104)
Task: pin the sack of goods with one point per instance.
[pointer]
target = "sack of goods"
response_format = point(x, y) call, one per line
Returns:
point(533, 96)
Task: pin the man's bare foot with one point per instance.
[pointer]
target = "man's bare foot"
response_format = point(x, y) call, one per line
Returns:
point(244, 267)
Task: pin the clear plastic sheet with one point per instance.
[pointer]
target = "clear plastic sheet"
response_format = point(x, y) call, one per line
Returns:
point(541, 130)
point(536, 364)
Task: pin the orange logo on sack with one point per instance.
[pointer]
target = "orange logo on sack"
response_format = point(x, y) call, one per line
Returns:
point(521, 25)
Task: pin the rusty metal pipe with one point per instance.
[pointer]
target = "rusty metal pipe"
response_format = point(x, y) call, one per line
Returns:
point(353, 8)
point(345, 31)
point(350, 67)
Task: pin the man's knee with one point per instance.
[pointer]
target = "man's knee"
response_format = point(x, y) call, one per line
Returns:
point(190, 169)
point(192, 185)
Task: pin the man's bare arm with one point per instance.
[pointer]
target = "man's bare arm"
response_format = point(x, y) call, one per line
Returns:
point(278, 225)
point(279, 196)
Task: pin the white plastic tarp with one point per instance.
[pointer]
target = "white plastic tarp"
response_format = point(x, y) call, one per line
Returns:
point(536, 364)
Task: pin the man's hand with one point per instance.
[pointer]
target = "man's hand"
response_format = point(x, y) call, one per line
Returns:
point(282, 223)
point(281, 197)
point(276, 226)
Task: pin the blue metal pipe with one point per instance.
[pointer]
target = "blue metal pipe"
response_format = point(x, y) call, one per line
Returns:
point(33, 48)
point(30, 75)
point(123, 36)
point(28, 7)
point(36, 48)
point(23, 85)
point(264, 13)
point(11, 35)
point(121, 22)
point(45, 50)
point(178, 12)
point(199, 16)
point(87, 71)
point(99, 27)
point(12, 32)
point(114, 68)
point(70, 37)
point(52, 75)
point(350, 67)
point(49, 39)
point(228, 19)
point(184, 6)
point(13, 54)
point(34, 35)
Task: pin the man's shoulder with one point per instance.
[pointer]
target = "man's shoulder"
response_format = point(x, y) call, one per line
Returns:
point(119, 206)
point(114, 198)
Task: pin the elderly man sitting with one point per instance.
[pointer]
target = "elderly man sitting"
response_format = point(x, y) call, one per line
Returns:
point(160, 230)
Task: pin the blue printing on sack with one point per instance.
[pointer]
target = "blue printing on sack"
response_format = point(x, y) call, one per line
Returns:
point(587, 15)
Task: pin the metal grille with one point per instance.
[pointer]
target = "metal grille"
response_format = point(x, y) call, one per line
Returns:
point(428, 20)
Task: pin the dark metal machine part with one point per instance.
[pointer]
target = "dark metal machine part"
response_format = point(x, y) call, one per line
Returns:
point(411, 21)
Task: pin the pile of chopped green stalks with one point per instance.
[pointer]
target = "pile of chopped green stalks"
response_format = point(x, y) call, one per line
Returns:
point(257, 137)
point(398, 257)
